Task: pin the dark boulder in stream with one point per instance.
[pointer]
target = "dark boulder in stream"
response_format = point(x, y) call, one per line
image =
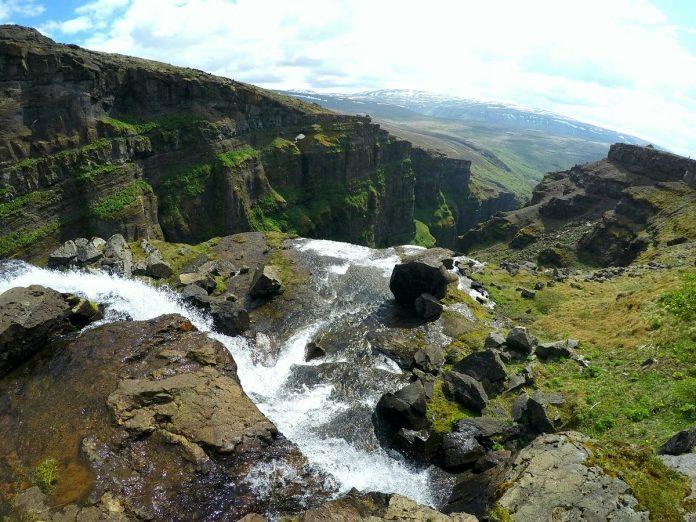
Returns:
point(418, 274)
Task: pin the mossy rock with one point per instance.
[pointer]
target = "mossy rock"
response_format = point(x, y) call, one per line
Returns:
point(555, 256)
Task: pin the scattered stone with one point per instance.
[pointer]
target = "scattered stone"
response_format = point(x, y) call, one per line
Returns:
point(266, 282)
point(460, 448)
point(87, 252)
point(556, 350)
point(520, 340)
point(466, 390)
point(196, 296)
point(648, 362)
point(404, 408)
point(63, 256)
point(532, 412)
point(158, 267)
point(206, 282)
point(494, 340)
point(118, 257)
point(421, 445)
point(527, 294)
point(681, 442)
point(313, 351)
point(486, 367)
point(428, 307)
point(429, 359)
point(538, 285)
point(84, 312)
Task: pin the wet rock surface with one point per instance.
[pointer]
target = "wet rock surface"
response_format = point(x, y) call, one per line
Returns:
point(154, 417)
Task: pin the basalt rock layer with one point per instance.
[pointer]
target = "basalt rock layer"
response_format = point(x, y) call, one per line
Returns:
point(97, 144)
point(637, 202)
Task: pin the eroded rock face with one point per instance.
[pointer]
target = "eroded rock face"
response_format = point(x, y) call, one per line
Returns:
point(546, 477)
point(152, 415)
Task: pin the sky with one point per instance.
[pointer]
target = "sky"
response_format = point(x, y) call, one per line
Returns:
point(629, 65)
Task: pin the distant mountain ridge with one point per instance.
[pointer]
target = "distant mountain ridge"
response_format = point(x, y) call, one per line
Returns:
point(458, 108)
point(510, 147)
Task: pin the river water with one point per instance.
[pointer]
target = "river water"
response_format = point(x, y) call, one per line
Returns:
point(324, 406)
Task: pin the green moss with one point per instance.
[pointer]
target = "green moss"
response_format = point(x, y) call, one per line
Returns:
point(112, 206)
point(130, 127)
point(657, 488)
point(281, 144)
point(499, 514)
point(423, 237)
point(47, 474)
point(235, 158)
point(19, 239)
point(19, 204)
point(92, 174)
point(443, 413)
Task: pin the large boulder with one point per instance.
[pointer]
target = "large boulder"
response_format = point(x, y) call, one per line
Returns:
point(404, 408)
point(419, 274)
point(550, 480)
point(63, 256)
point(88, 251)
point(533, 412)
point(460, 448)
point(486, 367)
point(228, 317)
point(520, 340)
point(157, 267)
point(466, 390)
point(266, 282)
point(118, 257)
point(30, 316)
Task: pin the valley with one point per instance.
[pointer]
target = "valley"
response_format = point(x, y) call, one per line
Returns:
point(219, 302)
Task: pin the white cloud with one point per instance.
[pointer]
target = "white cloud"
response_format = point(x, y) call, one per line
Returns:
point(8, 8)
point(617, 64)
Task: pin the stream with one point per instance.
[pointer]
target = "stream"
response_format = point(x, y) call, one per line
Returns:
point(325, 405)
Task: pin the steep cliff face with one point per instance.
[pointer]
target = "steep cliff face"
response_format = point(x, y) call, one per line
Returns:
point(637, 202)
point(92, 143)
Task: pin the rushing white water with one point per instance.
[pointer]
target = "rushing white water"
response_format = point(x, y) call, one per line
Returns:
point(327, 417)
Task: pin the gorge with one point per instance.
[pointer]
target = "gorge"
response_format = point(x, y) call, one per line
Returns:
point(220, 303)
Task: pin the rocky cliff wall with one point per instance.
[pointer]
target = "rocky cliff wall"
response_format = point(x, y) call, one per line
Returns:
point(93, 143)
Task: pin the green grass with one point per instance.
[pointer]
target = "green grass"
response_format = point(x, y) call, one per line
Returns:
point(235, 158)
point(47, 474)
point(112, 206)
point(423, 237)
point(682, 302)
point(92, 174)
point(443, 413)
point(15, 241)
point(19, 204)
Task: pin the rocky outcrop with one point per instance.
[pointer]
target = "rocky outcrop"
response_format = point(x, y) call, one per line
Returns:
point(605, 213)
point(99, 144)
point(145, 407)
point(546, 476)
point(29, 317)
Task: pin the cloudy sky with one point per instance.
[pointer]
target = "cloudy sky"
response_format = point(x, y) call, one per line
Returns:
point(629, 65)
